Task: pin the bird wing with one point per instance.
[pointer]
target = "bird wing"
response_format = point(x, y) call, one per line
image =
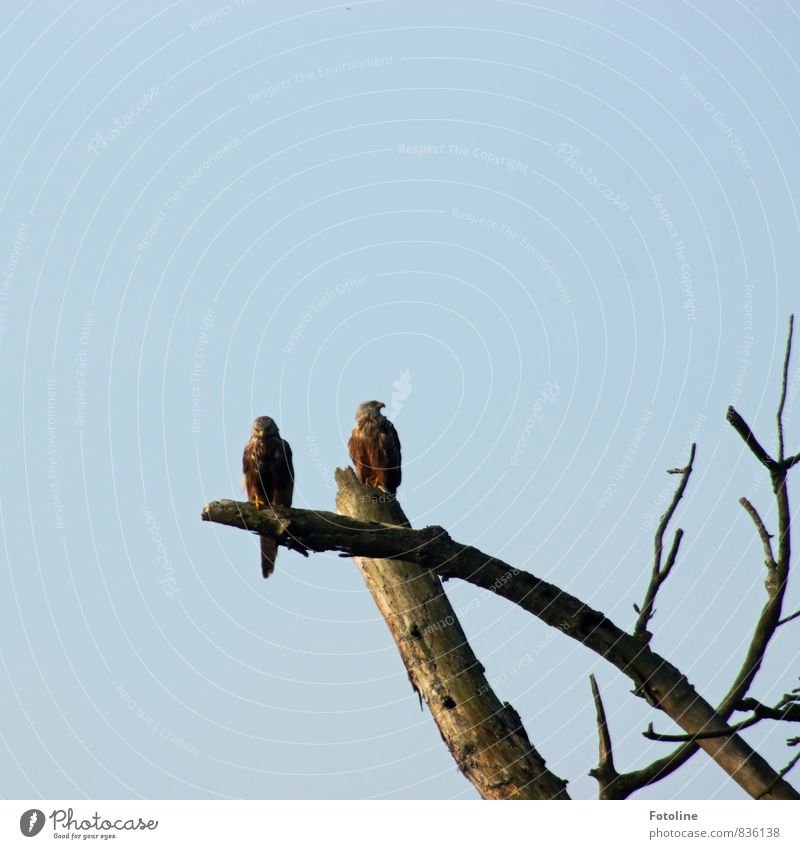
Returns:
point(282, 475)
point(392, 457)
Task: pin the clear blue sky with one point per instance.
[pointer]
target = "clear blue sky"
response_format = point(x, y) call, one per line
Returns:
point(557, 242)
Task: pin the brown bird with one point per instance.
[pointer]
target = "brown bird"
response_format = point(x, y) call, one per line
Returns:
point(268, 478)
point(375, 448)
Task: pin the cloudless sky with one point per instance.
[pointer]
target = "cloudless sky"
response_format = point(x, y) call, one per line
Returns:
point(556, 239)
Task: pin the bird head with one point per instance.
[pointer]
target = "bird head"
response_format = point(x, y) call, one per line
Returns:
point(264, 426)
point(369, 408)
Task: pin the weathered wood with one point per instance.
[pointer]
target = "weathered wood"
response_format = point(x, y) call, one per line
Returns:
point(655, 679)
point(485, 736)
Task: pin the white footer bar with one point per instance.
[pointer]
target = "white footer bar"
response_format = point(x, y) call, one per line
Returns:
point(354, 824)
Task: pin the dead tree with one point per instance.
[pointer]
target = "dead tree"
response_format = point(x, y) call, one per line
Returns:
point(403, 569)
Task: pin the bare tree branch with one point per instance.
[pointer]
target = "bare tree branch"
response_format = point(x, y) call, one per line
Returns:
point(766, 537)
point(605, 772)
point(650, 734)
point(776, 581)
point(791, 763)
point(777, 567)
point(629, 782)
point(787, 710)
point(786, 619)
point(654, 678)
point(660, 573)
point(783, 389)
point(743, 429)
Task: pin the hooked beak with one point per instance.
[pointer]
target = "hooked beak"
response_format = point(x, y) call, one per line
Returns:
point(381, 405)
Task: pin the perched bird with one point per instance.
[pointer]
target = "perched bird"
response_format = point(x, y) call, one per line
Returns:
point(375, 448)
point(268, 478)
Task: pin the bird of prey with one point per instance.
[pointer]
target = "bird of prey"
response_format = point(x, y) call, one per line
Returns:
point(268, 478)
point(375, 448)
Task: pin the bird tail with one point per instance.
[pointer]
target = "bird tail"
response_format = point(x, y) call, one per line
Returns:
point(269, 551)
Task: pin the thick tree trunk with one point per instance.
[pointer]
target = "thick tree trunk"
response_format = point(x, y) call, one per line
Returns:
point(485, 736)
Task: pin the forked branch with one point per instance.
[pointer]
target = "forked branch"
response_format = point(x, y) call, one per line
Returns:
point(605, 772)
point(661, 570)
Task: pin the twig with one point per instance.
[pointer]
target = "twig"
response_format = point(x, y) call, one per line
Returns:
point(787, 710)
point(743, 429)
point(685, 472)
point(766, 537)
point(605, 772)
point(650, 734)
point(660, 573)
point(672, 556)
point(783, 389)
point(788, 766)
point(786, 619)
